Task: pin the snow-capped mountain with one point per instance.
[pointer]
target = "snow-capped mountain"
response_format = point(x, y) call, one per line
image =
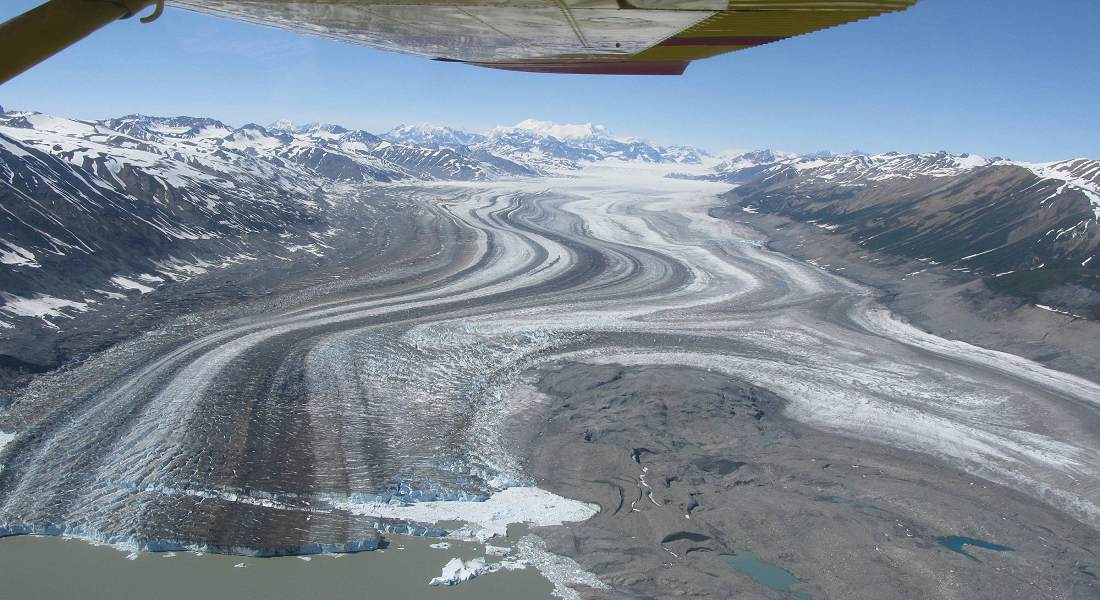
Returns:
point(746, 165)
point(862, 168)
point(1076, 176)
point(751, 159)
point(91, 214)
point(154, 128)
point(1079, 175)
point(429, 136)
point(165, 161)
point(356, 155)
point(562, 131)
point(843, 168)
point(565, 146)
point(330, 152)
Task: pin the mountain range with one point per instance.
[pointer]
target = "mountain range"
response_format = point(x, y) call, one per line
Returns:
point(94, 211)
point(546, 146)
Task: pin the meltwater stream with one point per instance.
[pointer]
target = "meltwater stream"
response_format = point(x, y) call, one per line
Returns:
point(309, 429)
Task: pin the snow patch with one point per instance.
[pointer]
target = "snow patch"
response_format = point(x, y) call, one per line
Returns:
point(979, 253)
point(18, 151)
point(180, 270)
point(42, 122)
point(129, 284)
point(310, 248)
point(10, 254)
point(41, 306)
point(1055, 310)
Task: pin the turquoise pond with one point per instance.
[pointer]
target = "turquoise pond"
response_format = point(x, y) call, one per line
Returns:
point(765, 573)
point(956, 543)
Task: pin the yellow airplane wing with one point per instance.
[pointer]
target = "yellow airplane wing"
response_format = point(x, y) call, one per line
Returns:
point(657, 37)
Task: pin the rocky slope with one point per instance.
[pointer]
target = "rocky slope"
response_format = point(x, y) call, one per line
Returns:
point(1031, 230)
point(91, 213)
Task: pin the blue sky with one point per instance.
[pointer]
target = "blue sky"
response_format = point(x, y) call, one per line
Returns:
point(1012, 78)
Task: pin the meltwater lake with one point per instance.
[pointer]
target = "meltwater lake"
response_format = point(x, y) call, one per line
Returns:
point(58, 568)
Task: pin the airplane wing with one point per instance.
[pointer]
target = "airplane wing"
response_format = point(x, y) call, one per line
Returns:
point(657, 37)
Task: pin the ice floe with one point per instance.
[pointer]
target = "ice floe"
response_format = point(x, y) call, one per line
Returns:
point(457, 570)
point(491, 550)
point(514, 505)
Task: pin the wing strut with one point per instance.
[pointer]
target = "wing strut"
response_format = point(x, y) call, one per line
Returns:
point(41, 32)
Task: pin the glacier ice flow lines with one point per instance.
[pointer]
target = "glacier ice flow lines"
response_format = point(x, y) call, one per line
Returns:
point(303, 427)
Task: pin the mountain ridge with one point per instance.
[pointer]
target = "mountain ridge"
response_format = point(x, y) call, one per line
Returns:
point(1028, 230)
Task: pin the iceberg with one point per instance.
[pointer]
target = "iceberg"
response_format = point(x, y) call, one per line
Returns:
point(457, 570)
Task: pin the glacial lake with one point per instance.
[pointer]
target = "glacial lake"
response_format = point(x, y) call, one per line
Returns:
point(57, 568)
point(769, 575)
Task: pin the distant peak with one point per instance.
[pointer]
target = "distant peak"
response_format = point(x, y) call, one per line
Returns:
point(740, 159)
point(431, 135)
point(562, 131)
point(282, 125)
point(421, 127)
point(325, 127)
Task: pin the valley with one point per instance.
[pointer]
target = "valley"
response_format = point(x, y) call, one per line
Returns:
point(537, 346)
point(605, 343)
